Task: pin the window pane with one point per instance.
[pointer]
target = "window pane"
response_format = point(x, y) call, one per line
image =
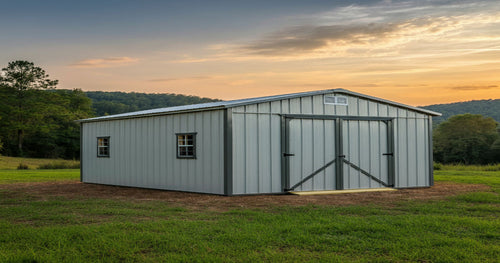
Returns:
point(190, 151)
point(180, 139)
point(182, 151)
point(103, 151)
point(102, 141)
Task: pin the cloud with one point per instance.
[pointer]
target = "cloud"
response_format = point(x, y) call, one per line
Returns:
point(179, 79)
point(310, 38)
point(105, 62)
point(385, 30)
point(344, 38)
point(474, 87)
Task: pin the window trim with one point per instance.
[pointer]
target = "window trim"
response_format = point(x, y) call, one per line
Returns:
point(108, 146)
point(336, 99)
point(177, 145)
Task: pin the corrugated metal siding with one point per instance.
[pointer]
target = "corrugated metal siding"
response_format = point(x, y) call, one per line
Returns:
point(364, 144)
point(253, 123)
point(313, 143)
point(143, 153)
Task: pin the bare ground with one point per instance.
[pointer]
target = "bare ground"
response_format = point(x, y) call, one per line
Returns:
point(78, 190)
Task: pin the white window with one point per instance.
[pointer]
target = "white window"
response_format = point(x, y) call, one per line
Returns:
point(335, 100)
point(186, 145)
point(102, 146)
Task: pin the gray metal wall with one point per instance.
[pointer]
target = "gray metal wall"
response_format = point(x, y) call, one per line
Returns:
point(257, 140)
point(143, 152)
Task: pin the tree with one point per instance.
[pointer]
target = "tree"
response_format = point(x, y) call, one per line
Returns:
point(36, 120)
point(466, 138)
point(1, 144)
point(23, 107)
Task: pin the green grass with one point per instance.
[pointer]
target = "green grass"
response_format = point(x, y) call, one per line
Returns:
point(34, 163)
point(470, 177)
point(462, 228)
point(25, 176)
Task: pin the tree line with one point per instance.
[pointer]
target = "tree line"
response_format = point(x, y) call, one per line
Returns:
point(489, 108)
point(35, 119)
point(467, 139)
point(38, 120)
point(108, 103)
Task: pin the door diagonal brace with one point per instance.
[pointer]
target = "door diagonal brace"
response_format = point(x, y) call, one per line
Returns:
point(367, 173)
point(311, 175)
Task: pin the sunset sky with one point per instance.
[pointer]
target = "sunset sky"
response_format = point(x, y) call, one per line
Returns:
point(414, 52)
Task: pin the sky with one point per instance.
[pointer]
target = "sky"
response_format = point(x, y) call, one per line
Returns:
point(416, 52)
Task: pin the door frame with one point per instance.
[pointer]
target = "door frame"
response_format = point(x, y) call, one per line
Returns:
point(339, 160)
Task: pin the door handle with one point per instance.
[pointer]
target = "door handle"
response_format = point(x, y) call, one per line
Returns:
point(288, 154)
point(391, 154)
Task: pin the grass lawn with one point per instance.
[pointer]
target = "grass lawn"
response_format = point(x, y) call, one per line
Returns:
point(25, 176)
point(462, 228)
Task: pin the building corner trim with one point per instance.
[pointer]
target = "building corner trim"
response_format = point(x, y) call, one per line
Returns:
point(228, 152)
point(431, 154)
point(81, 152)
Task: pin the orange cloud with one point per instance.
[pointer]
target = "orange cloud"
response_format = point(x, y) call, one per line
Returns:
point(180, 79)
point(105, 62)
point(474, 87)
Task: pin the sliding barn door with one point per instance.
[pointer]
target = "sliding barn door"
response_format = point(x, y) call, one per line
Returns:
point(311, 154)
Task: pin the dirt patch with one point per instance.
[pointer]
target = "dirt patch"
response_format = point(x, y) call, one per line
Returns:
point(78, 190)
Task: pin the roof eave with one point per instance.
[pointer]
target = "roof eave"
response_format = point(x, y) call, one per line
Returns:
point(111, 117)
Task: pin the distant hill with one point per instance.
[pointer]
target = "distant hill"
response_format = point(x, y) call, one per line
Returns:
point(487, 108)
point(108, 103)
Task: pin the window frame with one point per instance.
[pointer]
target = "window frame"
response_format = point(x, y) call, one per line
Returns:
point(336, 99)
point(177, 148)
point(103, 146)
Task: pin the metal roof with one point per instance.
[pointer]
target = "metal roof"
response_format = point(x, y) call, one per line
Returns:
point(242, 102)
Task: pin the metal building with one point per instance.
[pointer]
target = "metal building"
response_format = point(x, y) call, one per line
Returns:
point(320, 140)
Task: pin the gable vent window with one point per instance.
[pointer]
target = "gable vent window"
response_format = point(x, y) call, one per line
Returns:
point(186, 145)
point(336, 100)
point(102, 146)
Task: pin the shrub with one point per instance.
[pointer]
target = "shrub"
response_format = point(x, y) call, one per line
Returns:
point(60, 165)
point(22, 166)
point(462, 167)
point(438, 166)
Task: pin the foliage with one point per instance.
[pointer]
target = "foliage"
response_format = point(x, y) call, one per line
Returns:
point(22, 166)
point(60, 165)
point(487, 108)
point(7, 162)
point(23, 108)
point(53, 229)
point(64, 140)
point(461, 167)
point(466, 139)
point(36, 120)
point(107, 103)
